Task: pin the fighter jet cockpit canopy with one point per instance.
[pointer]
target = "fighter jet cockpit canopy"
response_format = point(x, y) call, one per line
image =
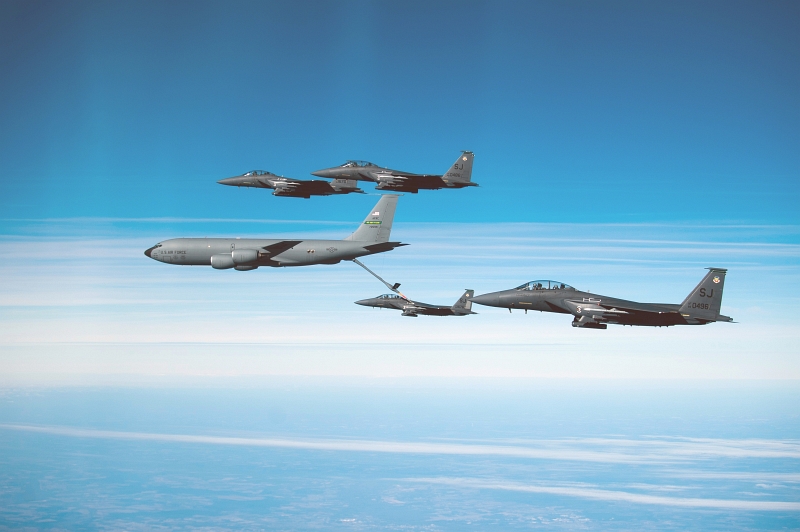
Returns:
point(258, 172)
point(544, 285)
point(357, 164)
point(389, 296)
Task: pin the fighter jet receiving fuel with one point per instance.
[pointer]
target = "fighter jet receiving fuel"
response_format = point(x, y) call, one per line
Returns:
point(458, 176)
point(593, 311)
point(293, 188)
point(371, 237)
point(410, 308)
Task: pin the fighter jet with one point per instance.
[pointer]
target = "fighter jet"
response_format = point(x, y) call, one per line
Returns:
point(371, 237)
point(293, 188)
point(458, 176)
point(593, 311)
point(410, 308)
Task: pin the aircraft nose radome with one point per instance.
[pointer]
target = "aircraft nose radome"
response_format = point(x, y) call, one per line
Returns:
point(364, 302)
point(490, 300)
point(232, 181)
point(325, 172)
point(148, 251)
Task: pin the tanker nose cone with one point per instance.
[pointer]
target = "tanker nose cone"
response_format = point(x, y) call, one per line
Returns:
point(489, 300)
point(148, 251)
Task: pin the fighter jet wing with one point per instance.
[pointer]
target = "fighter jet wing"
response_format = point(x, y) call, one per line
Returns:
point(304, 188)
point(417, 308)
point(411, 182)
point(409, 175)
point(279, 247)
point(630, 307)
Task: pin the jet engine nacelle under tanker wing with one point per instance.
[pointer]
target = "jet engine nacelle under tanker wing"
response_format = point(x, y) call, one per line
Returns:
point(244, 256)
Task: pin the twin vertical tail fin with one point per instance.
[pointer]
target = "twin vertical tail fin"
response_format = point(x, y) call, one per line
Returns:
point(705, 300)
point(378, 224)
point(461, 171)
point(464, 303)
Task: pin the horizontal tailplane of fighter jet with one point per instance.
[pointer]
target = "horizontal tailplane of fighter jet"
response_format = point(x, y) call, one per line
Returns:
point(593, 311)
point(292, 188)
point(371, 237)
point(410, 308)
point(458, 176)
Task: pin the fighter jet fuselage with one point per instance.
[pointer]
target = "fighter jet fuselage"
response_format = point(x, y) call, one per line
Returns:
point(293, 188)
point(462, 307)
point(458, 176)
point(594, 311)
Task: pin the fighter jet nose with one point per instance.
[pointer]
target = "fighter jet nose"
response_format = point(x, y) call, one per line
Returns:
point(231, 181)
point(363, 302)
point(489, 300)
point(326, 172)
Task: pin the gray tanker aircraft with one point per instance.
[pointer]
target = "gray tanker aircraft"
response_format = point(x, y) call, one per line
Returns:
point(410, 308)
point(593, 311)
point(458, 176)
point(371, 237)
point(292, 188)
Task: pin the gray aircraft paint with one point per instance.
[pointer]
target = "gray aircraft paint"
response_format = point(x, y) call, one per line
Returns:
point(371, 237)
point(410, 308)
point(459, 175)
point(292, 188)
point(594, 311)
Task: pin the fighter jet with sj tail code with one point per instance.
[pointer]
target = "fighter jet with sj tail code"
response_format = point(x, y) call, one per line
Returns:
point(410, 308)
point(458, 176)
point(593, 311)
point(292, 188)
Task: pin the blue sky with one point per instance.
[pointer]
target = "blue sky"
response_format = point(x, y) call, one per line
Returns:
point(577, 112)
point(621, 147)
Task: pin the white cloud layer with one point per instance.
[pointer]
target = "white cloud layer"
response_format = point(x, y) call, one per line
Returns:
point(83, 304)
point(584, 450)
point(656, 451)
point(615, 496)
